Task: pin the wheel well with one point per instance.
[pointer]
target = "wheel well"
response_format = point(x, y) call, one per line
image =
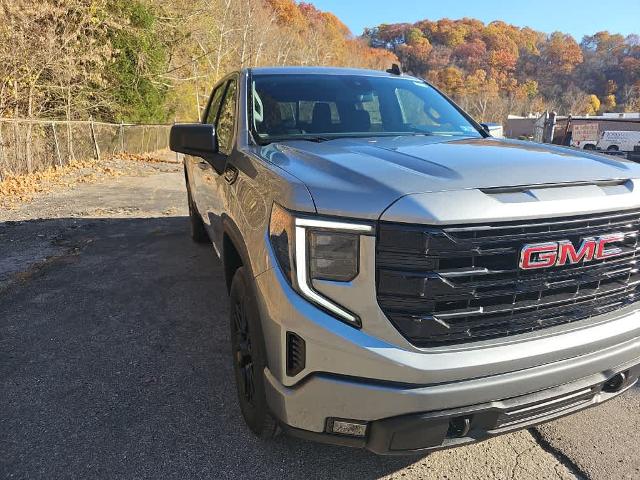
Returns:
point(231, 261)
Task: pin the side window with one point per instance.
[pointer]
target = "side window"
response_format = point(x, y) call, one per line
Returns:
point(413, 108)
point(226, 120)
point(214, 106)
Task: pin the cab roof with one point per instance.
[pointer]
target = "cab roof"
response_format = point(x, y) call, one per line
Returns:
point(320, 71)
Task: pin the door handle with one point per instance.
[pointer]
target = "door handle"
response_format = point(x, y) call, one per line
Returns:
point(202, 165)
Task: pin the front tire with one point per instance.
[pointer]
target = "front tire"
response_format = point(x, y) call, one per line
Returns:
point(249, 357)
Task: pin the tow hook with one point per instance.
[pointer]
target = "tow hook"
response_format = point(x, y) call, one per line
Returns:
point(615, 383)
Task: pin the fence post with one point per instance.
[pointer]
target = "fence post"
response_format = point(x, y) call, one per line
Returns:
point(95, 141)
point(121, 137)
point(55, 140)
point(28, 146)
point(549, 128)
point(168, 136)
point(70, 152)
point(16, 144)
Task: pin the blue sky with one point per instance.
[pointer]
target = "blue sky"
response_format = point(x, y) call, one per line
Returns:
point(571, 16)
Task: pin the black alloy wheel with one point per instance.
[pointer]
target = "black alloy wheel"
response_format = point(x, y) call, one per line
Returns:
point(242, 353)
point(249, 357)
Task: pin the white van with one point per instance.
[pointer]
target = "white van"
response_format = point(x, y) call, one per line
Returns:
point(619, 141)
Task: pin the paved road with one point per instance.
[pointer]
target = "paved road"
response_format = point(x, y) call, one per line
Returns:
point(114, 362)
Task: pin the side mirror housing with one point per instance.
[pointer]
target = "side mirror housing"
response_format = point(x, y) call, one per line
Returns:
point(199, 140)
point(486, 128)
point(195, 139)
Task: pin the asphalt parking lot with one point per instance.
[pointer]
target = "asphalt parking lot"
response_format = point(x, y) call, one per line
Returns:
point(114, 362)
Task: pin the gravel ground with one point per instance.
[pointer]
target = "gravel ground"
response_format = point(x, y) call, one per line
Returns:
point(114, 360)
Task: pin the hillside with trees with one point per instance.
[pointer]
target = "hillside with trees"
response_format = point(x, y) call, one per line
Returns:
point(156, 60)
point(495, 69)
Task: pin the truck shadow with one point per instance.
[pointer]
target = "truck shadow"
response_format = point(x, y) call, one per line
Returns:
point(115, 362)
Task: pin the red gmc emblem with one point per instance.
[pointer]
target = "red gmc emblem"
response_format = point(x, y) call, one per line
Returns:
point(556, 254)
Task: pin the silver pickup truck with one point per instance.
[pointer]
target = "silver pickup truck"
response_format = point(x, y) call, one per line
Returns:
point(399, 280)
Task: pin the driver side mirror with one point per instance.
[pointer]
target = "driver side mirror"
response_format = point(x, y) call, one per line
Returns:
point(195, 139)
point(486, 128)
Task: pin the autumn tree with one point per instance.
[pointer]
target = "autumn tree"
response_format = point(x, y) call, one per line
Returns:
point(156, 60)
point(451, 80)
point(531, 70)
point(559, 57)
point(81, 59)
point(593, 107)
point(414, 52)
point(225, 35)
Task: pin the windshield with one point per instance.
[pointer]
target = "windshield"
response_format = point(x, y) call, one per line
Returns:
point(323, 107)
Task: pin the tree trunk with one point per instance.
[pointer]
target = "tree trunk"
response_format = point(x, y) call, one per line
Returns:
point(221, 36)
point(195, 80)
point(55, 140)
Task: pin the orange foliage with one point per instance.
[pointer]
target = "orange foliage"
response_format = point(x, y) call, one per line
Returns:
point(523, 68)
point(329, 36)
point(561, 53)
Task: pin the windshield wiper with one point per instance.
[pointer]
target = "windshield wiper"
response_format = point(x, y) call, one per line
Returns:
point(314, 138)
point(431, 133)
point(417, 131)
point(282, 138)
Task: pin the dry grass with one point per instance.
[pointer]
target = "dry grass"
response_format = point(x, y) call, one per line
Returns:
point(144, 157)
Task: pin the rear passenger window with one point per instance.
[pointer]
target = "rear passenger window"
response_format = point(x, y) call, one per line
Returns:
point(226, 120)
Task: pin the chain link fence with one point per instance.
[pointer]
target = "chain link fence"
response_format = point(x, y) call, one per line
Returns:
point(31, 145)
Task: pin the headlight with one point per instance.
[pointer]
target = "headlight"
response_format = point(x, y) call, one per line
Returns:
point(333, 255)
point(312, 249)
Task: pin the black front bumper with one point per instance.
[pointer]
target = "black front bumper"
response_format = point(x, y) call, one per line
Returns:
point(424, 432)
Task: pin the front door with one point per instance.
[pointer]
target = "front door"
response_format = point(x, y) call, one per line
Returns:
point(198, 168)
point(216, 181)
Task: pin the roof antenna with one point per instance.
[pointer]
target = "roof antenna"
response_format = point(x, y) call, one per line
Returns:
point(395, 69)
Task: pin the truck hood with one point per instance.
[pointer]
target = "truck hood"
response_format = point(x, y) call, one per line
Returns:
point(360, 178)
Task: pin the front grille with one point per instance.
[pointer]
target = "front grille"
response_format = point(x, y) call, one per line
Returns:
point(456, 284)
